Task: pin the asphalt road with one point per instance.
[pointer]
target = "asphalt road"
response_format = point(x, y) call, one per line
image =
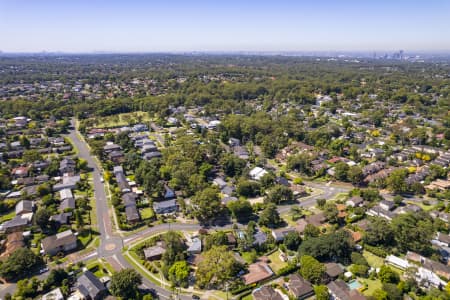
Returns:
point(111, 244)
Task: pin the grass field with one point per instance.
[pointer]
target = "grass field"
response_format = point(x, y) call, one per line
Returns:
point(8, 216)
point(373, 260)
point(275, 262)
point(372, 286)
point(124, 119)
point(147, 213)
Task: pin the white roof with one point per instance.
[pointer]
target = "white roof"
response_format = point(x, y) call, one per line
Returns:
point(257, 173)
point(397, 261)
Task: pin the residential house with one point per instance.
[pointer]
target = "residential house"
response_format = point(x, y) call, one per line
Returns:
point(62, 218)
point(280, 233)
point(354, 201)
point(257, 272)
point(397, 262)
point(165, 207)
point(195, 246)
point(257, 172)
point(333, 270)
point(340, 291)
point(121, 179)
point(67, 166)
point(116, 157)
point(60, 242)
point(154, 252)
point(65, 194)
point(387, 205)
point(90, 287)
point(55, 294)
point(18, 223)
point(299, 287)
point(14, 241)
point(110, 147)
point(68, 182)
point(259, 238)
point(24, 207)
point(266, 293)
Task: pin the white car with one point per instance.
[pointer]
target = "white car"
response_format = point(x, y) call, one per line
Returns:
point(102, 179)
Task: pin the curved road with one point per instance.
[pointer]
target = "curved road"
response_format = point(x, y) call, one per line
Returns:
point(111, 244)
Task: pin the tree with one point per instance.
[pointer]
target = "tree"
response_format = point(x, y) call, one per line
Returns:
point(269, 216)
point(279, 194)
point(232, 165)
point(292, 240)
point(174, 248)
point(321, 202)
point(42, 217)
point(340, 171)
point(218, 266)
point(207, 205)
point(321, 292)
point(413, 232)
point(22, 261)
point(311, 231)
point(355, 175)
point(331, 212)
point(240, 209)
point(380, 295)
point(30, 156)
point(179, 273)
point(311, 269)
point(387, 275)
point(379, 232)
point(392, 291)
point(248, 188)
point(125, 284)
point(215, 239)
point(396, 181)
point(336, 245)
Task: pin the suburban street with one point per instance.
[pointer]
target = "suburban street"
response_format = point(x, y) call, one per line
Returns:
point(111, 243)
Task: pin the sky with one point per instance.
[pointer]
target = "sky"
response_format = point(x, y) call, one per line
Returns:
point(228, 25)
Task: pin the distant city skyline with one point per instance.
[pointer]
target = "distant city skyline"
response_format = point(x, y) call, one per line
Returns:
point(229, 26)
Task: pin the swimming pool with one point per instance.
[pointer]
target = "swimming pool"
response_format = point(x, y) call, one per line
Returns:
point(354, 285)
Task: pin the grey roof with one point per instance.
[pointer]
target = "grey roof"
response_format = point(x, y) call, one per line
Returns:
point(24, 206)
point(151, 155)
point(62, 218)
point(165, 205)
point(154, 251)
point(260, 238)
point(89, 285)
point(67, 203)
point(196, 245)
point(132, 213)
point(15, 222)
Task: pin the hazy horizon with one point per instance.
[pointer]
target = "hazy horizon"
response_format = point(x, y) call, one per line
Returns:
point(176, 26)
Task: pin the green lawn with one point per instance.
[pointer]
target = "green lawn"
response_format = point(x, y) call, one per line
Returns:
point(373, 260)
point(372, 285)
point(147, 213)
point(124, 119)
point(85, 237)
point(275, 262)
point(8, 216)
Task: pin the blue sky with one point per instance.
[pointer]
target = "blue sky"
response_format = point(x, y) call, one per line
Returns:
point(171, 25)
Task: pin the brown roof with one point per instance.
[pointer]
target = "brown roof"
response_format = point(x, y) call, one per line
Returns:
point(299, 286)
point(316, 220)
point(301, 225)
point(14, 241)
point(257, 272)
point(356, 235)
point(333, 270)
point(266, 293)
point(60, 239)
